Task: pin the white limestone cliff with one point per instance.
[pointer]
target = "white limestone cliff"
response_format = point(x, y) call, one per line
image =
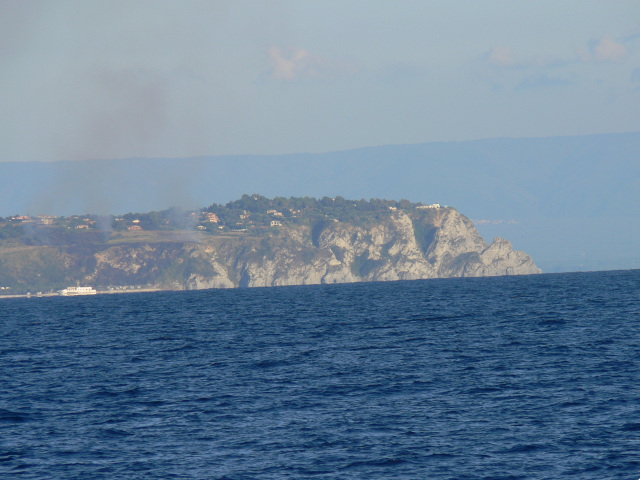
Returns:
point(440, 244)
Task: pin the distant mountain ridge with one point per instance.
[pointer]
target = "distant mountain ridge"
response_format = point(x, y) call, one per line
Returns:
point(573, 201)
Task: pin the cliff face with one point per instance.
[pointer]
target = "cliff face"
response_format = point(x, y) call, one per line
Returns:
point(436, 244)
point(392, 245)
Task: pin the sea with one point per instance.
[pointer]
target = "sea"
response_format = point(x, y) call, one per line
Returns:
point(524, 377)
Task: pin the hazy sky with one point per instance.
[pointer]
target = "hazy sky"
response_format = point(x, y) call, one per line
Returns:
point(113, 79)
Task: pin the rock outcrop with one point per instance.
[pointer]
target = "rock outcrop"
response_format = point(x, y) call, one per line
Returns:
point(401, 246)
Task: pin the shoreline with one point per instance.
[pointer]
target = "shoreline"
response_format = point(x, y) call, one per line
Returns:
point(98, 292)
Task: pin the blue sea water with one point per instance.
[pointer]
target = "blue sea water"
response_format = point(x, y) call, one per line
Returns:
point(533, 377)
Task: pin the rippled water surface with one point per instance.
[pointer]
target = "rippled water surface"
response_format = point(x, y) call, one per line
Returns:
point(498, 378)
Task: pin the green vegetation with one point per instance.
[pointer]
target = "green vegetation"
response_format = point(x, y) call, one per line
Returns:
point(46, 252)
point(255, 211)
point(24, 269)
point(251, 213)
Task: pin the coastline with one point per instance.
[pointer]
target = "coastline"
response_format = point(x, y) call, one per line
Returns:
point(98, 292)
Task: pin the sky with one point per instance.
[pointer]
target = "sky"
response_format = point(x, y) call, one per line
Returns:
point(118, 79)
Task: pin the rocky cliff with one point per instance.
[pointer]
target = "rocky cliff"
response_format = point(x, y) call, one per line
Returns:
point(436, 244)
point(389, 243)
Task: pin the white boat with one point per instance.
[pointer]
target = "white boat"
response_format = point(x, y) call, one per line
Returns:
point(73, 291)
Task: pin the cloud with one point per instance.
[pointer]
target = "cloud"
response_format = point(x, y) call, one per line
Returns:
point(290, 66)
point(609, 50)
point(297, 63)
point(635, 75)
point(543, 81)
point(504, 57)
point(604, 50)
point(501, 56)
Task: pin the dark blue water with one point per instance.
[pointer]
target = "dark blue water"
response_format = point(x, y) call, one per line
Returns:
point(499, 378)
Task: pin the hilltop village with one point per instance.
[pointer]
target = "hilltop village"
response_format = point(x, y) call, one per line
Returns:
point(250, 213)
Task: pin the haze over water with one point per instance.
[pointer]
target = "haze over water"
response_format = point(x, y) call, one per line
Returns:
point(532, 377)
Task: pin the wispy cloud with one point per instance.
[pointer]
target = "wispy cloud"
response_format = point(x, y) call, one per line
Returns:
point(296, 63)
point(605, 49)
point(524, 73)
point(543, 81)
point(552, 69)
point(501, 56)
point(290, 65)
point(609, 50)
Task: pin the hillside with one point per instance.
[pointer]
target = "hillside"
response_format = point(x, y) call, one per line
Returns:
point(254, 241)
